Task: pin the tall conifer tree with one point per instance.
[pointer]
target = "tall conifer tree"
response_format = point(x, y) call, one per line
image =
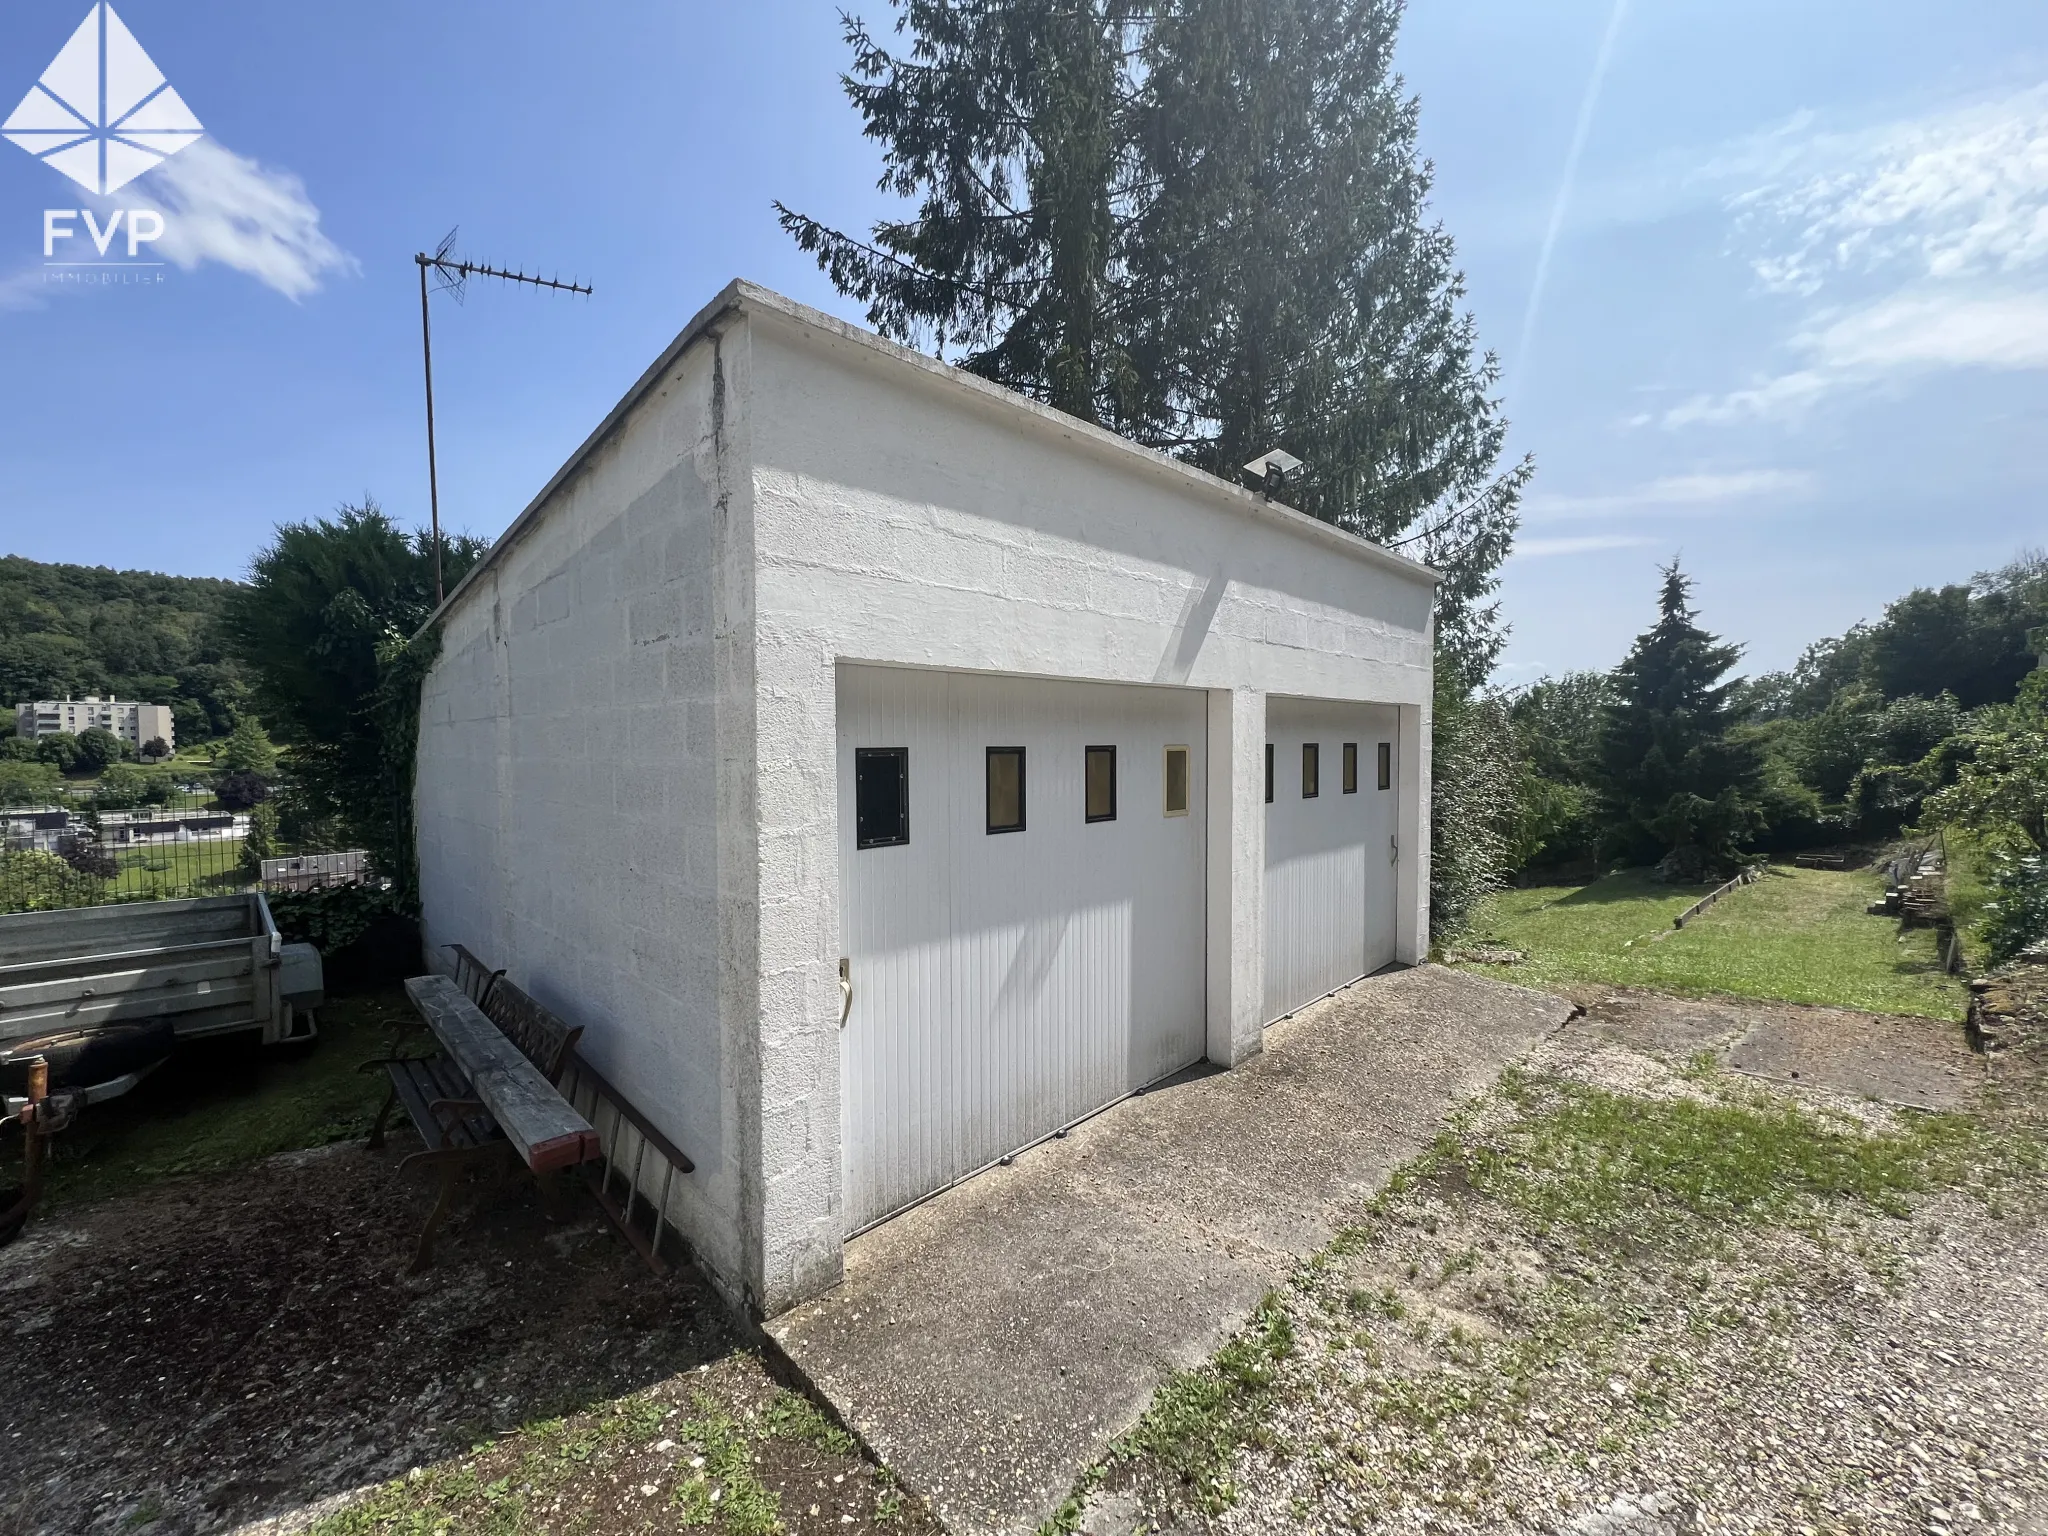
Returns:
point(1674, 779)
point(1287, 287)
point(1005, 119)
point(1202, 223)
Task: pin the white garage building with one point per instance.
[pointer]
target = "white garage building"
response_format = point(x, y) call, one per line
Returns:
point(888, 771)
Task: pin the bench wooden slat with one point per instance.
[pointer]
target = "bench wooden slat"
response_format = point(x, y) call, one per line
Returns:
point(442, 1079)
point(542, 1127)
point(417, 1090)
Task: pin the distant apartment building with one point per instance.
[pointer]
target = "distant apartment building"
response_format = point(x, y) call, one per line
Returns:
point(136, 724)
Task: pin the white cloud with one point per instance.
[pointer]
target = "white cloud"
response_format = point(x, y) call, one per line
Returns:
point(224, 207)
point(1787, 395)
point(1939, 330)
point(1912, 331)
point(1958, 193)
point(1928, 235)
point(25, 289)
point(1536, 549)
point(1673, 494)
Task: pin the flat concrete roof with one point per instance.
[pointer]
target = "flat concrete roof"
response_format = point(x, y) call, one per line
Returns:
point(741, 296)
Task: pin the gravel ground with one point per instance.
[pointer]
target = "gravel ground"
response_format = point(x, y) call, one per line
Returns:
point(1633, 1332)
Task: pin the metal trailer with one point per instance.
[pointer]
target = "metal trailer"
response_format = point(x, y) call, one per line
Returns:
point(212, 965)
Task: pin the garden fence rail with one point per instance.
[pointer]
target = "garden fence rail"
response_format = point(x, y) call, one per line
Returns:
point(79, 848)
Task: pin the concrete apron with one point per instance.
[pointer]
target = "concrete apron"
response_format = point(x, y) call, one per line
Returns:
point(990, 1343)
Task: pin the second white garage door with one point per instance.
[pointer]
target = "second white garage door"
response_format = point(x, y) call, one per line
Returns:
point(1333, 786)
point(1021, 880)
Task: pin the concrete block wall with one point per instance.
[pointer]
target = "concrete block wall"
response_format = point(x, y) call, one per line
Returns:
point(577, 781)
point(628, 749)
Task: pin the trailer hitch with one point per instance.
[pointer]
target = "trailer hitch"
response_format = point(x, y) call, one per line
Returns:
point(41, 1114)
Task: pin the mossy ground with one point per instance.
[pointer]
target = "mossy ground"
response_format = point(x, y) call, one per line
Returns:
point(217, 1105)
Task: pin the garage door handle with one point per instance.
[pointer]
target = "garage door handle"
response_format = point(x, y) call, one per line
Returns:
point(845, 990)
point(1393, 851)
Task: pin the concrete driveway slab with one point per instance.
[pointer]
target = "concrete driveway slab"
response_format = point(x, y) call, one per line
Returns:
point(1923, 1063)
point(991, 1342)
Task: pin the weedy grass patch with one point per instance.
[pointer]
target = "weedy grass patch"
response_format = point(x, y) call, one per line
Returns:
point(1543, 1283)
point(724, 1487)
point(1611, 1163)
point(795, 1418)
point(1200, 1418)
point(716, 1453)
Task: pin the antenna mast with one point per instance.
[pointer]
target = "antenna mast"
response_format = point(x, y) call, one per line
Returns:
point(451, 276)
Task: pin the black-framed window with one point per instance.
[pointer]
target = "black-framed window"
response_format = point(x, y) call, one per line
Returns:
point(1350, 767)
point(1386, 765)
point(1098, 786)
point(1311, 769)
point(1177, 792)
point(881, 796)
point(1269, 773)
point(1005, 781)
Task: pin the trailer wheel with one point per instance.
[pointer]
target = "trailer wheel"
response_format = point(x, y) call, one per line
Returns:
point(79, 1058)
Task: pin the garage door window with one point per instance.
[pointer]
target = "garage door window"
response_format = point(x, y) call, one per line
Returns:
point(1350, 767)
point(1006, 789)
point(1311, 770)
point(881, 796)
point(1176, 781)
point(1101, 784)
point(1386, 765)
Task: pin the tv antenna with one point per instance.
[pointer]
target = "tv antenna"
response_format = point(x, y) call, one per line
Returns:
point(451, 276)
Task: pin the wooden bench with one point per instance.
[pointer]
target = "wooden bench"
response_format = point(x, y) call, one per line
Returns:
point(491, 1089)
point(637, 1156)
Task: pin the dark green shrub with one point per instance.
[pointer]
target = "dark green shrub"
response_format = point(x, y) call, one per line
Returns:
point(2016, 915)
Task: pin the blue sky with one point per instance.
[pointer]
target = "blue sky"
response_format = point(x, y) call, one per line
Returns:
point(1793, 323)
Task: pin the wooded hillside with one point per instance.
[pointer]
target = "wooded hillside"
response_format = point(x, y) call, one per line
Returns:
point(77, 629)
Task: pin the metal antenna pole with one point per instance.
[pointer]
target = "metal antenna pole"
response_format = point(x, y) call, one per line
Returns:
point(454, 277)
point(433, 477)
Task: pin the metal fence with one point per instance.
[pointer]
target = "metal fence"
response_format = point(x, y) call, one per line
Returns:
point(79, 850)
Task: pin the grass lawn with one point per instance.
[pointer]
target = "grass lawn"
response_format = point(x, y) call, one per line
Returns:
point(201, 868)
point(1797, 936)
point(219, 1104)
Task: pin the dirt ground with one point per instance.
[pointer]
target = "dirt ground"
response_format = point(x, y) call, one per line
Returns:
point(222, 1350)
point(1911, 1062)
point(243, 1352)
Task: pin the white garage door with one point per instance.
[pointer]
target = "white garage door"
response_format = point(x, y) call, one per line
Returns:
point(1015, 964)
point(1333, 782)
